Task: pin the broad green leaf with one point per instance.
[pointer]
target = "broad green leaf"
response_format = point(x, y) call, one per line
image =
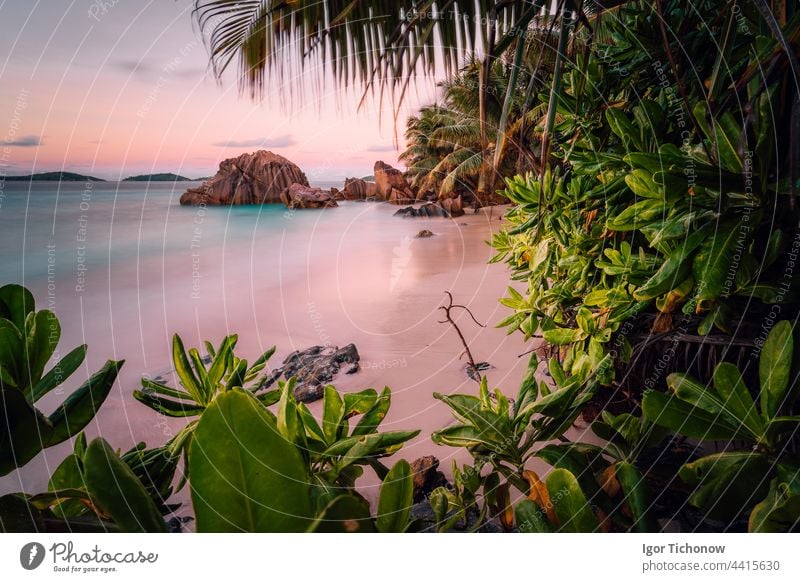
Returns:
point(728, 382)
point(395, 500)
point(332, 413)
point(634, 488)
point(244, 475)
point(561, 336)
point(118, 492)
point(686, 419)
point(24, 431)
point(530, 518)
point(371, 419)
point(573, 511)
point(345, 514)
point(68, 475)
point(359, 402)
point(59, 372)
point(726, 484)
point(81, 406)
point(16, 302)
point(774, 368)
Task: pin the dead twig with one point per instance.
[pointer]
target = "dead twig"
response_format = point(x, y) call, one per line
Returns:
point(449, 319)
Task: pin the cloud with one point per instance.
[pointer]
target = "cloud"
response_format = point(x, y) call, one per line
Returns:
point(132, 66)
point(378, 148)
point(280, 141)
point(26, 141)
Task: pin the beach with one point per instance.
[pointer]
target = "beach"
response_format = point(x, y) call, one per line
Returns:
point(124, 267)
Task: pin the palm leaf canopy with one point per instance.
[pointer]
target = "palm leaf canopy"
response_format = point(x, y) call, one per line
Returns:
point(375, 45)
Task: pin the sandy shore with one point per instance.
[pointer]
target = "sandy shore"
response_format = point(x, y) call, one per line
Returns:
point(354, 274)
point(388, 304)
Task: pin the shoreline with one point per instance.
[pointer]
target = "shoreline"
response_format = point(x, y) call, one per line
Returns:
point(354, 274)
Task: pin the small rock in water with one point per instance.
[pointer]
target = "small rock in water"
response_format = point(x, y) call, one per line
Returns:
point(424, 233)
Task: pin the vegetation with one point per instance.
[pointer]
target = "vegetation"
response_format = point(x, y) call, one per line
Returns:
point(654, 252)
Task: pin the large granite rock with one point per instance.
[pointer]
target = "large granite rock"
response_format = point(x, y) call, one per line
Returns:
point(258, 178)
point(358, 189)
point(388, 180)
point(299, 196)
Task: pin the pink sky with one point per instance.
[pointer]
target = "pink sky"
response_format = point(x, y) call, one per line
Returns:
point(113, 88)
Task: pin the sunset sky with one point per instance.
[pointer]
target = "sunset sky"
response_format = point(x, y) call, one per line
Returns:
point(113, 88)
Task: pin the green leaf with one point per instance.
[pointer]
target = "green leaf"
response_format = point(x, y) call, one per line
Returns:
point(81, 406)
point(287, 412)
point(332, 413)
point(359, 402)
point(184, 371)
point(345, 514)
point(60, 372)
point(713, 263)
point(245, 475)
point(166, 406)
point(118, 492)
point(727, 484)
point(42, 339)
point(561, 336)
point(642, 184)
point(728, 382)
point(151, 386)
point(16, 302)
point(774, 367)
point(684, 418)
point(372, 419)
point(220, 359)
point(17, 515)
point(636, 497)
point(24, 431)
point(530, 518)
point(395, 500)
point(573, 511)
point(68, 475)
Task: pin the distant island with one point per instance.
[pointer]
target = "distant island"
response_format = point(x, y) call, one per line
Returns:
point(368, 178)
point(54, 177)
point(159, 178)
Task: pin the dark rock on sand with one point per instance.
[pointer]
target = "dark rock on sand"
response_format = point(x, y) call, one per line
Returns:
point(314, 367)
point(424, 234)
point(427, 477)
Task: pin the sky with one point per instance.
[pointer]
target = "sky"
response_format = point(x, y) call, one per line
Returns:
point(113, 88)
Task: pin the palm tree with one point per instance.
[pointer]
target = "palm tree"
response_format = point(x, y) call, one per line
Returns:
point(443, 142)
